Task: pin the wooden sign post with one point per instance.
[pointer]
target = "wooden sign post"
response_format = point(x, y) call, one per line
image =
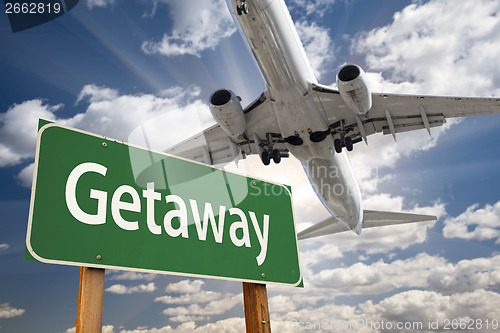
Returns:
point(90, 297)
point(256, 308)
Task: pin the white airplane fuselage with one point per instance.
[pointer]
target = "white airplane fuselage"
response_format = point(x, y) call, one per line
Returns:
point(273, 39)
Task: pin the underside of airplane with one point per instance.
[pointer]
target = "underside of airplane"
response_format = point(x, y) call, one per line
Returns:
point(314, 122)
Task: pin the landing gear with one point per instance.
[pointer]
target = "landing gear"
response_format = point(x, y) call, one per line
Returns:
point(242, 9)
point(266, 148)
point(348, 143)
point(276, 156)
point(266, 156)
point(343, 141)
point(338, 144)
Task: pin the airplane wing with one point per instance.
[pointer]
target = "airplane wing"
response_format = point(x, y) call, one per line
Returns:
point(212, 146)
point(215, 146)
point(394, 113)
point(371, 219)
point(390, 114)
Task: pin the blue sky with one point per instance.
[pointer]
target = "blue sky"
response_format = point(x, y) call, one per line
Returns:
point(110, 66)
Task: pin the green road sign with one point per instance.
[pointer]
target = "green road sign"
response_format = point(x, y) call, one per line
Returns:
point(99, 202)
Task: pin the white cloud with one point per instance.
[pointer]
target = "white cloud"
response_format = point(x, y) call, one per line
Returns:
point(422, 306)
point(281, 303)
point(108, 329)
point(455, 290)
point(420, 272)
point(105, 329)
point(310, 7)
point(413, 307)
point(201, 296)
point(25, 177)
point(317, 44)
point(315, 318)
point(466, 275)
point(131, 276)
point(229, 325)
point(99, 3)
point(193, 31)
point(324, 253)
point(437, 46)
point(390, 238)
point(475, 224)
point(192, 293)
point(96, 94)
point(185, 287)
point(377, 83)
point(376, 278)
point(18, 128)
point(108, 113)
point(184, 318)
point(117, 115)
point(121, 289)
point(7, 311)
point(445, 290)
point(216, 307)
point(4, 246)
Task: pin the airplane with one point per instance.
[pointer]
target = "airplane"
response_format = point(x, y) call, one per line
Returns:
point(314, 122)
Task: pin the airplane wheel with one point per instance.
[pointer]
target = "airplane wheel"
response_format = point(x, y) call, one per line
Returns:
point(242, 9)
point(266, 158)
point(338, 145)
point(276, 156)
point(348, 144)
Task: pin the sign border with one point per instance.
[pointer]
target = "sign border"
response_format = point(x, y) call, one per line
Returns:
point(46, 125)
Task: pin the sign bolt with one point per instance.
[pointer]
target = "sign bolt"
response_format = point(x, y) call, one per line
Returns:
point(263, 275)
point(254, 183)
point(104, 144)
point(98, 257)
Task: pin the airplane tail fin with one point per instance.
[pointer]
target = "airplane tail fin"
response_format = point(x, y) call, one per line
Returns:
point(371, 219)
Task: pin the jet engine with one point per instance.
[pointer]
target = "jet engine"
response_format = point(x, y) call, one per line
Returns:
point(226, 109)
point(351, 82)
